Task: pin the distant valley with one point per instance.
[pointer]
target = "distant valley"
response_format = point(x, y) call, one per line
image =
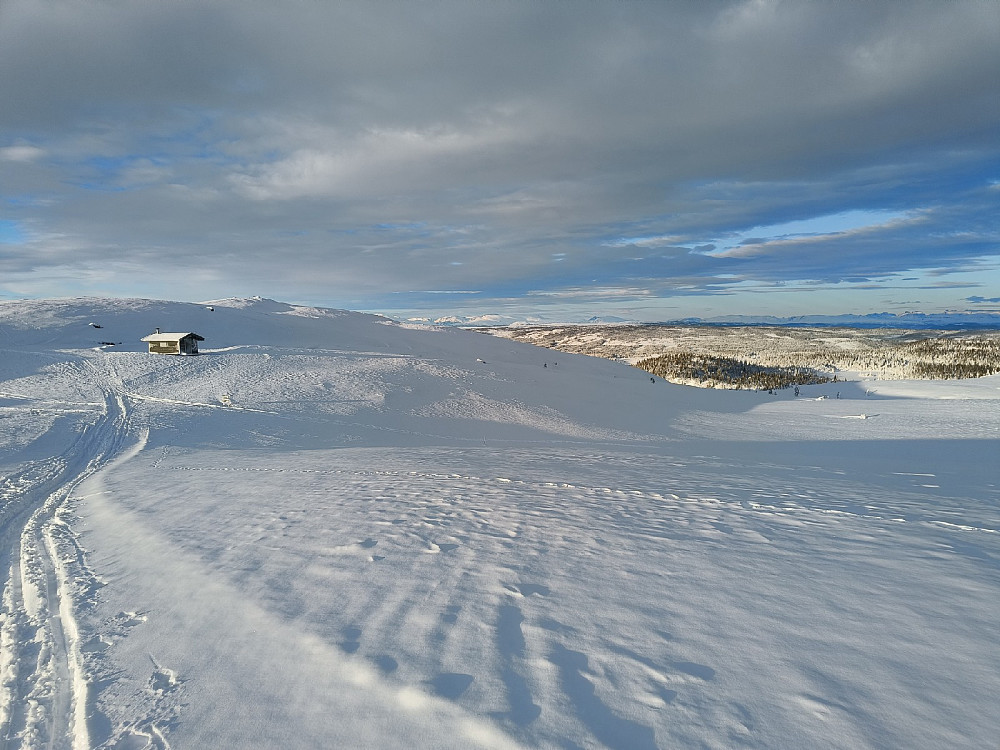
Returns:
point(773, 356)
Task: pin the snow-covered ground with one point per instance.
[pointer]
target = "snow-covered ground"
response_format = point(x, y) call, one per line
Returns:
point(330, 530)
point(882, 353)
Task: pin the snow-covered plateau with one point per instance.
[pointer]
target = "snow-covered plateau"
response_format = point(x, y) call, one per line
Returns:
point(329, 530)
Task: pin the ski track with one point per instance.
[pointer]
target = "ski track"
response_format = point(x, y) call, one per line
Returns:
point(45, 699)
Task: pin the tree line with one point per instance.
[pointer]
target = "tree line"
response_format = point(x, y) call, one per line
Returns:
point(728, 372)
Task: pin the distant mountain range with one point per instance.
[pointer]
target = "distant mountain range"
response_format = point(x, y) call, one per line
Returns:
point(911, 320)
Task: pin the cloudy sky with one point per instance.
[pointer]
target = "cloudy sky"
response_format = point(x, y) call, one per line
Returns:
point(557, 158)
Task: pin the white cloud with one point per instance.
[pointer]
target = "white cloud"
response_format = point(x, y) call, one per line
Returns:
point(655, 241)
point(372, 162)
point(21, 153)
point(595, 292)
point(758, 240)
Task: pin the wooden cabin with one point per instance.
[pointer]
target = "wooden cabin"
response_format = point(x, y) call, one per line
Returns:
point(172, 343)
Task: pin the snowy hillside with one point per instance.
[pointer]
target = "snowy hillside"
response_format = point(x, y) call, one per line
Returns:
point(332, 530)
point(673, 352)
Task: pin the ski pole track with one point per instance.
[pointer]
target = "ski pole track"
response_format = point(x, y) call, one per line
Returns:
point(44, 690)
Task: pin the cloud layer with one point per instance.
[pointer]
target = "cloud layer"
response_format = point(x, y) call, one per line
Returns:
point(539, 154)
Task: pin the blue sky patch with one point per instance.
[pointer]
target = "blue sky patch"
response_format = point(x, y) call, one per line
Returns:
point(11, 233)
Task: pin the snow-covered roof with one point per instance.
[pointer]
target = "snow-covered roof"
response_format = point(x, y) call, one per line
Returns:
point(171, 336)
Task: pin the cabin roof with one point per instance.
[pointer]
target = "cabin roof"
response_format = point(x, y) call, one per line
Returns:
point(171, 337)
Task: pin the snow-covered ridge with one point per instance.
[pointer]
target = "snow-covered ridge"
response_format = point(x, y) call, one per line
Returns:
point(956, 320)
point(86, 322)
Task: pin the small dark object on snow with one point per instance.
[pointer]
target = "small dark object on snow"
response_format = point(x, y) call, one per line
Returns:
point(95, 325)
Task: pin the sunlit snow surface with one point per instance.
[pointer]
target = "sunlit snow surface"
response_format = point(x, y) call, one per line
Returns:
point(398, 537)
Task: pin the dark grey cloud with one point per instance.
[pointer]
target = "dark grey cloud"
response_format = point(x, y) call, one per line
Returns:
point(346, 152)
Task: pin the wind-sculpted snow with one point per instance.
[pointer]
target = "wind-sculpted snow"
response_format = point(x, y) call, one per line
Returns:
point(331, 531)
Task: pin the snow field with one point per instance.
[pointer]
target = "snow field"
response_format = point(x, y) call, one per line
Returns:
point(581, 610)
point(410, 537)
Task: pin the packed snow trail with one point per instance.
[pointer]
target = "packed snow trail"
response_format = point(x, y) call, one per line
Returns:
point(44, 698)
